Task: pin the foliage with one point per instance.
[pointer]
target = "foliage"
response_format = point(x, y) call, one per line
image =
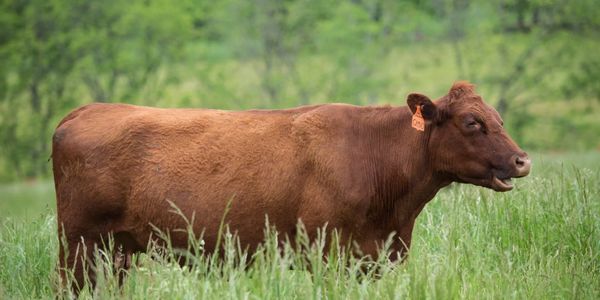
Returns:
point(539, 241)
point(530, 58)
point(54, 49)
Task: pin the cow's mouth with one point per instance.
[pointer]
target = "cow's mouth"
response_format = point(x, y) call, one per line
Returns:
point(496, 183)
point(502, 185)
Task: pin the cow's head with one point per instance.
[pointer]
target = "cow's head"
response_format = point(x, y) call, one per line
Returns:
point(467, 142)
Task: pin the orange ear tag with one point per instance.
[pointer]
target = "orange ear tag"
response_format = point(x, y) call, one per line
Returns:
point(418, 122)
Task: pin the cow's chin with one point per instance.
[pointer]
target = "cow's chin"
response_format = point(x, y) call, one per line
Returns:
point(494, 183)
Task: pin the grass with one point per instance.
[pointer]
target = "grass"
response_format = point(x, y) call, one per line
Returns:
point(540, 241)
point(26, 200)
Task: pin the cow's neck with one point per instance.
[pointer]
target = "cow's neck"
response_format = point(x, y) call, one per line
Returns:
point(402, 177)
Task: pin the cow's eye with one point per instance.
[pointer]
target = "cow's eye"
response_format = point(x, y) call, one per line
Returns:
point(472, 124)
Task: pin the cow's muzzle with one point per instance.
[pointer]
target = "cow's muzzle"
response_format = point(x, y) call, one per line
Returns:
point(522, 165)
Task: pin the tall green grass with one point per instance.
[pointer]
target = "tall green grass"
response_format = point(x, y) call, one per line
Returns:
point(539, 241)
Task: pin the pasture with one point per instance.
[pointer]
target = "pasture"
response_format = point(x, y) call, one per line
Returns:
point(539, 241)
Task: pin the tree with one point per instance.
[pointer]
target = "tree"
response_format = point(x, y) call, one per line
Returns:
point(51, 48)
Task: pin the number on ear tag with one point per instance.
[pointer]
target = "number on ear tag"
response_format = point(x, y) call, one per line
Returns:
point(418, 122)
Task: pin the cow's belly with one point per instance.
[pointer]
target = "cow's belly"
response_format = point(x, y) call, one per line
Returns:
point(243, 199)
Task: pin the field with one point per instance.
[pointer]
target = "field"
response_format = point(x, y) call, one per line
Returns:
point(539, 241)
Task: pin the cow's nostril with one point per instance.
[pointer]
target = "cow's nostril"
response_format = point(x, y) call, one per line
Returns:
point(520, 162)
point(523, 165)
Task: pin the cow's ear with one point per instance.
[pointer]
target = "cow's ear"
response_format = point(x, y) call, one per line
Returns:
point(428, 108)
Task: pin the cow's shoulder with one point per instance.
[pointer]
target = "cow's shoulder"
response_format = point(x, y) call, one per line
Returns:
point(324, 118)
point(327, 133)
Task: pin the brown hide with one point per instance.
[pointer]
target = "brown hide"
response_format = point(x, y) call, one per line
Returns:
point(361, 170)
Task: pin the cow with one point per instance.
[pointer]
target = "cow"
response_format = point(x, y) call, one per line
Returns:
point(366, 172)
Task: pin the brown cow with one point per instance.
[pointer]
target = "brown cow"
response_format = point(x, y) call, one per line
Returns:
point(362, 170)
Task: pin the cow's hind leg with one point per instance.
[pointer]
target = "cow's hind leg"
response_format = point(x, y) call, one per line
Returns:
point(76, 258)
point(82, 258)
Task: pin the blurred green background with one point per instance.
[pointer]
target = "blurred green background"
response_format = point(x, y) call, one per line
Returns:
point(536, 61)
